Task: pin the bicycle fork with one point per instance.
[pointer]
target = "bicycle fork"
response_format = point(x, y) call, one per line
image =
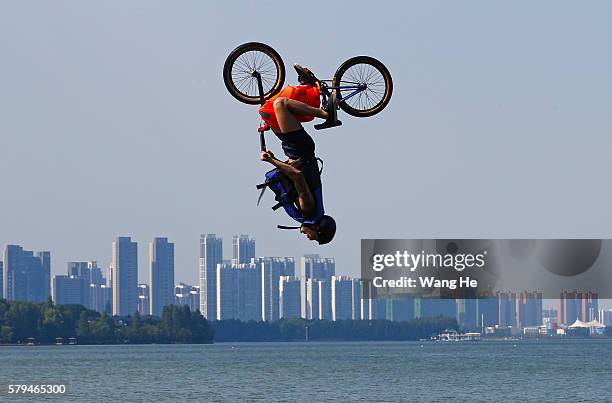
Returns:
point(262, 100)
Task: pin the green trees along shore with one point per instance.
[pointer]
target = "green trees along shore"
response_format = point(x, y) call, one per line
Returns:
point(325, 330)
point(46, 323)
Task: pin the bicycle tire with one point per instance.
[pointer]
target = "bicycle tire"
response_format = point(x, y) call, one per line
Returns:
point(352, 106)
point(242, 90)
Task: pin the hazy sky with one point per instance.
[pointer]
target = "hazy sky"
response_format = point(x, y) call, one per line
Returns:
point(114, 120)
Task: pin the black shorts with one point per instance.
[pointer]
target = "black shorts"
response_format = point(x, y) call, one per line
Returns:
point(297, 144)
point(312, 174)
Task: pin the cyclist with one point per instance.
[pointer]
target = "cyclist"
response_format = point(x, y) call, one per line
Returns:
point(297, 181)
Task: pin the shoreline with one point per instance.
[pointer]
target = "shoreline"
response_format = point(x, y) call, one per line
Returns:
point(490, 340)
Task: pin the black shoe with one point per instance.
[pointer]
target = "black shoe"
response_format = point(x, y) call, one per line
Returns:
point(327, 124)
point(332, 113)
point(305, 76)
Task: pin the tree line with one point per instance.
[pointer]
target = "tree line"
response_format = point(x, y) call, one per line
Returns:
point(44, 323)
point(325, 330)
point(20, 322)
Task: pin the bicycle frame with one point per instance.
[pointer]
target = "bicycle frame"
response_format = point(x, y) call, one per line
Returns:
point(355, 86)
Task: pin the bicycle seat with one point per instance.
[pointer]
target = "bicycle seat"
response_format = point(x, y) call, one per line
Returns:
point(305, 76)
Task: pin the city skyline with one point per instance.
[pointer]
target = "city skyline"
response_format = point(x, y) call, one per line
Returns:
point(190, 277)
point(196, 274)
point(272, 288)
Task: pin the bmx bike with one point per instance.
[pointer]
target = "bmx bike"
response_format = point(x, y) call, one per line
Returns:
point(254, 72)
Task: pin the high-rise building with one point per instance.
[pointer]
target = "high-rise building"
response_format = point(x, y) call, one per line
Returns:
point(507, 308)
point(211, 254)
point(318, 299)
point(567, 307)
point(272, 268)
point(79, 269)
point(95, 273)
point(243, 248)
point(110, 276)
point(356, 298)
point(101, 298)
point(576, 305)
point(42, 283)
point(289, 295)
point(26, 276)
point(161, 274)
point(1, 280)
point(589, 306)
point(529, 309)
point(313, 266)
point(81, 285)
point(325, 299)
point(432, 307)
point(401, 309)
point(467, 313)
point(378, 309)
point(125, 276)
point(239, 292)
point(488, 310)
point(185, 294)
point(343, 293)
point(100, 293)
point(365, 308)
point(312, 299)
point(225, 292)
point(81, 272)
point(144, 303)
point(67, 290)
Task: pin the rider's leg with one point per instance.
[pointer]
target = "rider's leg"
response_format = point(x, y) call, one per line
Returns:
point(286, 109)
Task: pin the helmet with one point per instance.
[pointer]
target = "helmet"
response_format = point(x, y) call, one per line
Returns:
point(326, 230)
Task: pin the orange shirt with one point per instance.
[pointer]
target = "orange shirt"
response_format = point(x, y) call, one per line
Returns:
point(303, 93)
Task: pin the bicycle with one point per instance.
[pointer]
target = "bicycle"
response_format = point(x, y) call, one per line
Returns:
point(254, 72)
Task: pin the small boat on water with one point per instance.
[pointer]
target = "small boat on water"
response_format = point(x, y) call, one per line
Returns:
point(456, 336)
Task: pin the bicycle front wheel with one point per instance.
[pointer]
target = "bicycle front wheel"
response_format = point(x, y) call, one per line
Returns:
point(367, 72)
point(250, 58)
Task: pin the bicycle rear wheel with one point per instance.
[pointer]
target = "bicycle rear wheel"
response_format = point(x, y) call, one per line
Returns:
point(363, 70)
point(243, 62)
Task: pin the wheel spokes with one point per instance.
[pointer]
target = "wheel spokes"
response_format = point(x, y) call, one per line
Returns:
point(254, 61)
point(374, 81)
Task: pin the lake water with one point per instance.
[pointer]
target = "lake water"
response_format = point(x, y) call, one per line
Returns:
point(403, 371)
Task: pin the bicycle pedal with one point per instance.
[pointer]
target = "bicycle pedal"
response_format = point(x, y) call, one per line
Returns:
point(327, 125)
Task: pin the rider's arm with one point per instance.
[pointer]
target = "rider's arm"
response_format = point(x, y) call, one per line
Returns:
point(289, 170)
point(305, 200)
